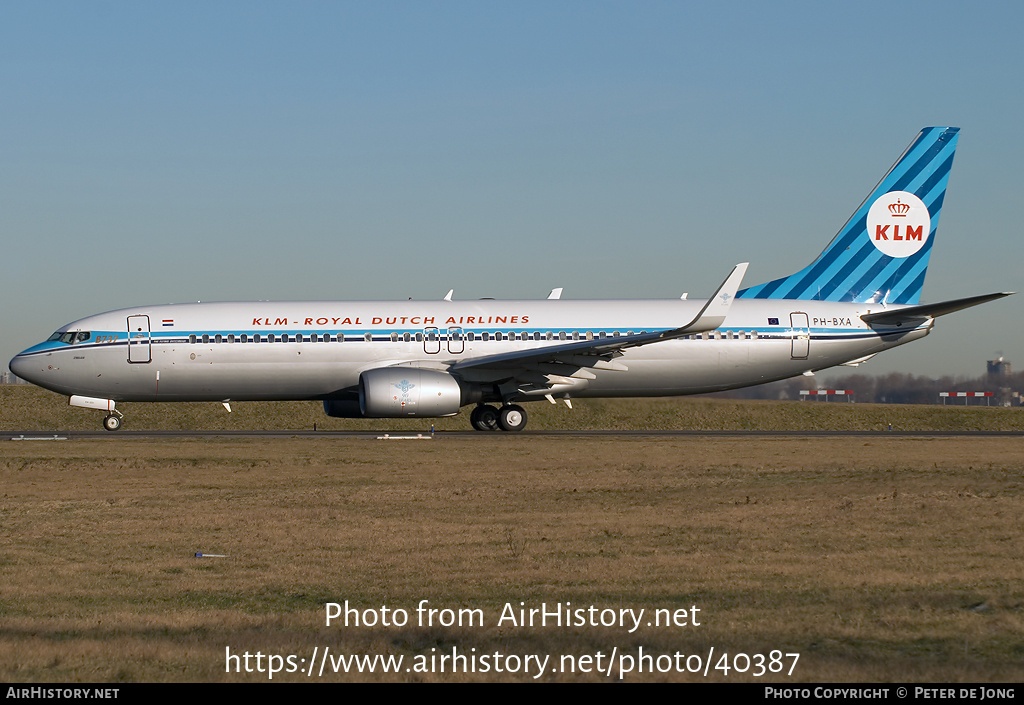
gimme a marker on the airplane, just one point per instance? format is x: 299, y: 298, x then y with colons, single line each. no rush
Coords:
x: 379, y: 359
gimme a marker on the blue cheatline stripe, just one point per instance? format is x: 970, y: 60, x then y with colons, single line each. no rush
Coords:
x: 851, y: 268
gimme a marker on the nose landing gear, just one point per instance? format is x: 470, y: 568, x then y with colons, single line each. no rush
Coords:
x: 112, y: 421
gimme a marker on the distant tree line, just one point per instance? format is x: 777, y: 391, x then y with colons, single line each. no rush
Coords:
x: 892, y: 388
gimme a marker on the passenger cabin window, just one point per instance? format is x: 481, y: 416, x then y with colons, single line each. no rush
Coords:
x: 218, y: 339
x: 192, y: 339
x: 244, y: 338
x: 271, y: 338
x: 368, y: 337
x: 206, y: 338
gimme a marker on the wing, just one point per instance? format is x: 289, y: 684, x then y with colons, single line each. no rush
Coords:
x: 558, y: 368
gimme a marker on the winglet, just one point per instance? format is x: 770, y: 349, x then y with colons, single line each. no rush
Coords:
x: 717, y: 307
x: 711, y: 316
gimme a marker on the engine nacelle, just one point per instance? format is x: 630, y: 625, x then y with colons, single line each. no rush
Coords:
x: 388, y: 392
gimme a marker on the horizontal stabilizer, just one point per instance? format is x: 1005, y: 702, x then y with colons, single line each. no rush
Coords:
x: 915, y: 313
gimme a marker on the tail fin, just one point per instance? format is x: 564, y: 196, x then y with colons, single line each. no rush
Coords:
x: 881, y: 254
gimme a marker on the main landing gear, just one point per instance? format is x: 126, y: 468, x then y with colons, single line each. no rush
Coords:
x: 511, y: 418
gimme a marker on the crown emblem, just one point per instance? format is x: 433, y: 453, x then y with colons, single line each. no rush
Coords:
x: 404, y: 386
x: 899, y: 210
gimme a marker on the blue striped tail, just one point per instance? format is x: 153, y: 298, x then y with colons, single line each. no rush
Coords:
x: 881, y: 254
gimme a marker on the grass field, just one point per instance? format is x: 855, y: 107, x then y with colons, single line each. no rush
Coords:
x: 25, y: 407
x: 873, y: 559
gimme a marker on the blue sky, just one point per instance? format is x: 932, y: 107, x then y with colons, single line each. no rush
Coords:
x: 185, y: 151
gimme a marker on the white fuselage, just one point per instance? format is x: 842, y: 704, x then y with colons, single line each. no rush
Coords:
x: 317, y: 350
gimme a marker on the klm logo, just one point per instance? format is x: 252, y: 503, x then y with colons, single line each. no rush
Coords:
x: 898, y: 224
x: 909, y: 233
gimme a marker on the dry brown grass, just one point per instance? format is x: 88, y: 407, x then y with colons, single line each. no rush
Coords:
x: 876, y: 560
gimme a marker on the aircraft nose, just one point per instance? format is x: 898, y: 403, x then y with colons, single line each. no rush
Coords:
x: 22, y: 367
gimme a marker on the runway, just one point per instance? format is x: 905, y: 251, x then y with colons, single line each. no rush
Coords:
x: 769, y: 531
x: 439, y: 435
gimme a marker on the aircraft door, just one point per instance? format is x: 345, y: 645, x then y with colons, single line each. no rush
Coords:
x: 139, y: 343
x: 431, y: 341
x: 801, y: 329
x: 456, y: 341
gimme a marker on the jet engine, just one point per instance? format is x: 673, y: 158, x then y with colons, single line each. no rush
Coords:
x: 408, y: 391
x: 390, y: 392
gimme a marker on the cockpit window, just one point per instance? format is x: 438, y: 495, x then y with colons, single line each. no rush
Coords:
x: 70, y: 337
